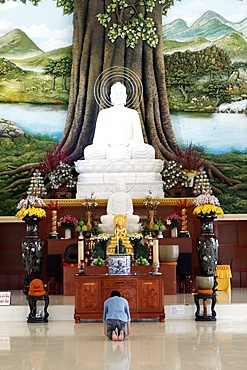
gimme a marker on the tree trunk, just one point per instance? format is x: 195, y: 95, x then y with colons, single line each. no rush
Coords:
x: 92, y: 54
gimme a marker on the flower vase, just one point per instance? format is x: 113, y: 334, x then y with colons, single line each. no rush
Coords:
x: 174, y: 232
x: 191, y: 176
x: 32, y: 248
x: 67, y: 234
x: 207, y: 247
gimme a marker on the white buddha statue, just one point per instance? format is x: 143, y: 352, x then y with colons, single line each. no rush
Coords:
x: 120, y: 202
x: 118, y: 132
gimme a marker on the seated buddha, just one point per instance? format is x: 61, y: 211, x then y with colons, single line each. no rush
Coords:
x: 118, y: 132
x: 120, y: 202
x: 120, y: 240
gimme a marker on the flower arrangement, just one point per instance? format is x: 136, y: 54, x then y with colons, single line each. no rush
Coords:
x: 103, y: 237
x: 207, y: 205
x: 100, y: 246
x: 135, y: 236
x: 140, y: 251
x: 173, y: 220
x: 190, y: 157
x: 173, y: 176
x: 31, y: 207
x: 135, y: 239
x: 67, y: 222
x: 62, y: 177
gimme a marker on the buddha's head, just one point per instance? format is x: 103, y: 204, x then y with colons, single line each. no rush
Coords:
x: 118, y: 94
x: 120, y: 220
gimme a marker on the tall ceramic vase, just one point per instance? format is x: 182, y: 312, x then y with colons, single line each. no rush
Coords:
x: 32, y: 248
x: 207, y: 247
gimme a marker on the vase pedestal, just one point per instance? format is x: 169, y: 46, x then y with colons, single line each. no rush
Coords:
x: 205, y: 296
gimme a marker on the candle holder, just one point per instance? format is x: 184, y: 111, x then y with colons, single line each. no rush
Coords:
x: 184, y: 205
x: 91, y: 246
x: 53, y: 206
x: 90, y: 204
x: 81, y: 268
x: 150, y: 249
x: 151, y: 204
x: 156, y: 266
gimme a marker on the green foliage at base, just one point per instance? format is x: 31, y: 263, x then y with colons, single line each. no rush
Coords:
x: 30, y: 149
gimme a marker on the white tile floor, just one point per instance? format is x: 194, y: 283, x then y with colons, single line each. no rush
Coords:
x: 172, y: 345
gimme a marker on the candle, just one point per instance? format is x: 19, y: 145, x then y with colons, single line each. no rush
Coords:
x: 80, y: 251
x: 155, y: 251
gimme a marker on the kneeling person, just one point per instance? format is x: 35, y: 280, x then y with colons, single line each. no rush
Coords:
x: 116, y: 317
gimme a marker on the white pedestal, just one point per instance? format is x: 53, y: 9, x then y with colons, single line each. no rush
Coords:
x: 100, y: 176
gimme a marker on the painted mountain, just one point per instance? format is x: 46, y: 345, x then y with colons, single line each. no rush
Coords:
x: 210, y: 28
x: 16, y: 42
x: 17, y: 47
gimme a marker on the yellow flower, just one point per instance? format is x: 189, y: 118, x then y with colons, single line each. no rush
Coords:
x: 31, y: 212
x: 208, y: 210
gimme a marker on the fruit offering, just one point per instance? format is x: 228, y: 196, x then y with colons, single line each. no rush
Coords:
x: 141, y: 261
x: 98, y: 262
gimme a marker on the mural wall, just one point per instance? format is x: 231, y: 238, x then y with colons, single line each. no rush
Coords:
x: 205, y: 52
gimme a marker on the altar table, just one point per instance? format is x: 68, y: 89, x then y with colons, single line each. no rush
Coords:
x: 224, y: 274
x: 145, y: 294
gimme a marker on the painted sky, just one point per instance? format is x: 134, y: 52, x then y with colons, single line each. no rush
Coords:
x: 45, y: 24
x: 50, y: 29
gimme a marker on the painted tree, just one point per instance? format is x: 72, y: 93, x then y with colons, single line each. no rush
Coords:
x: 126, y: 34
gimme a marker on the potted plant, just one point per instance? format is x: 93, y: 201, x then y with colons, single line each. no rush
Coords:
x: 174, y: 179
x: 62, y: 180
x: 101, y: 241
x: 68, y: 223
x: 173, y: 220
x: 191, y: 159
x: 140, y: 251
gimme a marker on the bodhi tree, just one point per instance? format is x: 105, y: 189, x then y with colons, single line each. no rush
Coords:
x: 123, y: 33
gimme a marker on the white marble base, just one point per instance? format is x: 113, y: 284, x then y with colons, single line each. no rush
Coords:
x: 100, y: 177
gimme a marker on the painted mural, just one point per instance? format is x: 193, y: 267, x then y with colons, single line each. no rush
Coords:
x: 205, y: 52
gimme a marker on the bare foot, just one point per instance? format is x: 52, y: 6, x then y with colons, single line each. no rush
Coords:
x: 121, y: 335
x: 114, y: 336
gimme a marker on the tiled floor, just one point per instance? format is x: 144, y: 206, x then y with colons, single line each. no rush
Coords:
x: 172, y: 345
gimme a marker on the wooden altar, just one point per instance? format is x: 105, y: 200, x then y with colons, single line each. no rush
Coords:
x: 145, y: 294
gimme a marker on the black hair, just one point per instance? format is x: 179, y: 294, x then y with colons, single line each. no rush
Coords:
x: 115, y: 293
